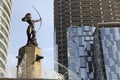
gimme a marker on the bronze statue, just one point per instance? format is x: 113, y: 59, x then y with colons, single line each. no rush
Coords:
x: 31, y: 32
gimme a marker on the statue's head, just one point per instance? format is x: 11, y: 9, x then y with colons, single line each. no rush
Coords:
x: 27, y: 17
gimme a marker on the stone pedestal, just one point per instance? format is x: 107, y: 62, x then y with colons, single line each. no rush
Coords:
x: 29, y: 63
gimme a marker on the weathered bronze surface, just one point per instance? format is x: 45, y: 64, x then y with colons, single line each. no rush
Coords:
x: 31, y: 32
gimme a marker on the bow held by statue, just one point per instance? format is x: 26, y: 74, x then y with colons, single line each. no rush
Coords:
x: 39, y: 17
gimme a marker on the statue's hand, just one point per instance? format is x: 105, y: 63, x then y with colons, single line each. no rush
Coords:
x: 40, y: 19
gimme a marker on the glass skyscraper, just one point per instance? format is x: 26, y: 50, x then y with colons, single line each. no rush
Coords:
x: 79, y: 13
x: 5, y: 18
x: 106, y: 51
x: 80, y: 62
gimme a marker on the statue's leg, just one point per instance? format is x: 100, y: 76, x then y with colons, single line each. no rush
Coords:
x: 28, y: 40
x: 33, y: 34
x: 34, y: 40
x: 28, y: 35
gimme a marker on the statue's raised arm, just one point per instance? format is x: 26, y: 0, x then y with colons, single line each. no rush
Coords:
x: 31, y: 32
x: 38, y: 20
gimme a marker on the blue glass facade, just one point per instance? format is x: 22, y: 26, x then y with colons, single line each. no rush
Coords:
x: 106, y: 53
x: 80, y: 64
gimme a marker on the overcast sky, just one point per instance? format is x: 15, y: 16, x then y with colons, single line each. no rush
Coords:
x: 18, y: 35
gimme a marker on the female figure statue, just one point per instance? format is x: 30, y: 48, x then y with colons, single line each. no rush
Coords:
x: 31, y: 32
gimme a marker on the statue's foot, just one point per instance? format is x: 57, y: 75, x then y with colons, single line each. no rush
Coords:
x: 34, y: 41
x: 27, y: 44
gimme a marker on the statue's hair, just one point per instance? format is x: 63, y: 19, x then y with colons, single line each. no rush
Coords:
x: 28, y: 15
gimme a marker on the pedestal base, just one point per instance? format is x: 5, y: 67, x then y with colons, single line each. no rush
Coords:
x: 29, y: 64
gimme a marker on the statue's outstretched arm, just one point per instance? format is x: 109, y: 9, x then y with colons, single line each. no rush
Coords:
x: 38, y: 20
